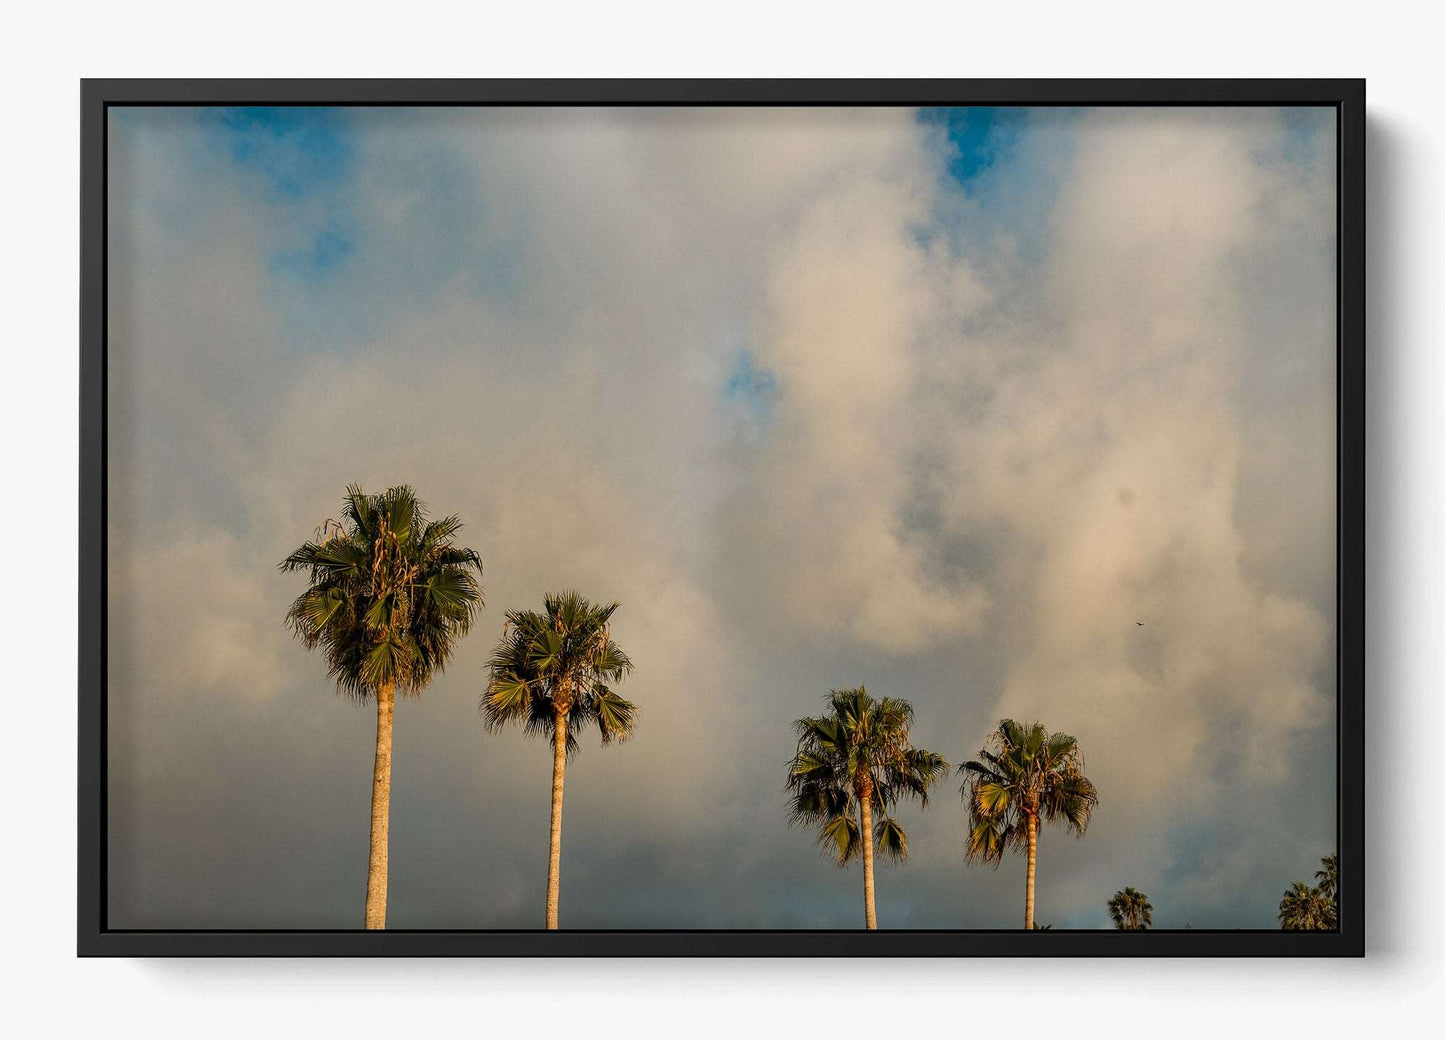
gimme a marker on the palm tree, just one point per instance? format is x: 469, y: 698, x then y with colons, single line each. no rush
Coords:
x: 1304, y: 909
x: 390, y: 595
x: 552, y: 672
x: 1328, y: 877
x: 1025, y: 776
x: 1130, y: 910
x: 853, y: 761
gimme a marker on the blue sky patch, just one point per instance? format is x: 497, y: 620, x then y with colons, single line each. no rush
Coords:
x: 1304, y: 129
x: 327, y: 250
x: 298, y: 150
x: 750, y: 389
x: 300, y: 160
x: 978, y: 136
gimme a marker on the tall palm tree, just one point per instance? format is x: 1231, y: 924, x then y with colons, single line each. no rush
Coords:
x: 389, y: 597
x: 553, y: 672
x: 1025, y: 776
x: 1304, y: 909
x: 1130, y: 910
x: 852, y: 762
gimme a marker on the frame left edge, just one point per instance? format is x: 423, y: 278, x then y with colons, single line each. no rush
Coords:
x: 90, y: 671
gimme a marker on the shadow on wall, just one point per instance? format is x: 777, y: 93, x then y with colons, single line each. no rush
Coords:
x: 1386, y: 542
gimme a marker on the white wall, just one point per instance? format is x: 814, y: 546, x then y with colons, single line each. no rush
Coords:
x: 48, y: 49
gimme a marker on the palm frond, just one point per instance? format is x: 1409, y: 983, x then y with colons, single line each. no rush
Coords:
x: 615, y: 716
x: 891, y: 839
x: 988, y: 837
x: 839, y: 836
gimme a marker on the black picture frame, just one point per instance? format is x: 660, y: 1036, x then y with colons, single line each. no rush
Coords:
x: 1346, y: 96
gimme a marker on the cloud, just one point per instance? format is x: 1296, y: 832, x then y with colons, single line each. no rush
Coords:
x: 1117, y: 455
x: 814, y: 411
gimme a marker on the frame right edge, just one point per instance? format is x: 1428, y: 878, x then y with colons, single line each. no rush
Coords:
x: 1350, y: 515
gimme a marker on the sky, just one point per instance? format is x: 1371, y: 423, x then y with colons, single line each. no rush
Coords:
x: 940, y: 402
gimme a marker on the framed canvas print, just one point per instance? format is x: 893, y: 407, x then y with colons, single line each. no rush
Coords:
x: 722, y: 518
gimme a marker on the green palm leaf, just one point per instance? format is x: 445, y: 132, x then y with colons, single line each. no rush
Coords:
x: 891, y: 839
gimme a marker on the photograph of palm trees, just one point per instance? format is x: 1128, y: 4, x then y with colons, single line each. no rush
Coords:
x: 838, y: 518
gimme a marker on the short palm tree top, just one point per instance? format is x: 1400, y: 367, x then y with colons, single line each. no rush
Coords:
x: 1023, y: 772
x: 560, y: 660
x: 1130, y: 910
x: 390, y: 593
x: 859, y: 748
x: 1306, y: 909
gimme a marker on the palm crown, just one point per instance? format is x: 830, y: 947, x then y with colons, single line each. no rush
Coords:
x: 1024, y: 772
x: 390, y: 593
x: 1317, y: 909
x: 858, y: 753
x: 1304, y: 909
x: 562, y: 660
x: 1130, y: 910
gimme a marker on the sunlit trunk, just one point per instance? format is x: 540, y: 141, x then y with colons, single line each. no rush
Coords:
x: 380, y: 810
x: 1033, y: 824
x: 554, y: 856
x: 870, y: 914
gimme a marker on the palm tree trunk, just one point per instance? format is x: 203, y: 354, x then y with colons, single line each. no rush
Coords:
x: 1033, y: 858
x: 380, y: 810
x: 554, y: 856
x: 870, y: 914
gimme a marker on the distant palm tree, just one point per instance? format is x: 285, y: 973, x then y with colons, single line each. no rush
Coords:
x: 1303, y: 909
x: 1130, y: 910
x: 552, y: 672
x: 1328, y: 877
x: 390, y: 596
x: 851, y: 762
x: 1306, y: 909
x: 1025, y: 775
